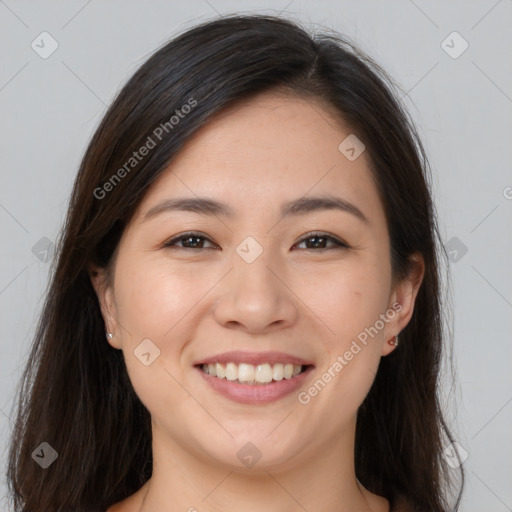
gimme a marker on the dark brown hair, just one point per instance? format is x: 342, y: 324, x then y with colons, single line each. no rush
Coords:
x: 75, y: 393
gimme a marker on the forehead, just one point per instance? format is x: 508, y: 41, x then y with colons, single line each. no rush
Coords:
x: 267, y: 150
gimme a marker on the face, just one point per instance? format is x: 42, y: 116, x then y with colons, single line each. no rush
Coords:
x: 273, y: 276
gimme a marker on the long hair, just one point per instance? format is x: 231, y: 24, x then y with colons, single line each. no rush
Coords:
x: 75, y: 393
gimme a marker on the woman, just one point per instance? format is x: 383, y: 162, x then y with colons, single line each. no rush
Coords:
x: 245, y: 313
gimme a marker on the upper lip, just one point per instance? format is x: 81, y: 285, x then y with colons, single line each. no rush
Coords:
x: 254, y: 358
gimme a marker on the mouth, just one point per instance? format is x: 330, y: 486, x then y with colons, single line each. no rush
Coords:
x: 254, y: 378
x: 245, y: 373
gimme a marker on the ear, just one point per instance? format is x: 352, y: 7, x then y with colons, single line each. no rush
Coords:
x: 105, y: 293
x: 402, y: 300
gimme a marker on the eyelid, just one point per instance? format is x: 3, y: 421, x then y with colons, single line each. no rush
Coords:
x: 338, y: 243
x: 177, y: 238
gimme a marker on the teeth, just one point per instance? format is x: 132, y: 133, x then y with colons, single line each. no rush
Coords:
x: 219, y: 371
x: 231, y: 371
x: 264, y: 373
x: 250, y: 374
x: 278, y: 372
x: 245, y: 372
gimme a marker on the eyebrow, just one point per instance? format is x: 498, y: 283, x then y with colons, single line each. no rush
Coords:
x: 300, y: 206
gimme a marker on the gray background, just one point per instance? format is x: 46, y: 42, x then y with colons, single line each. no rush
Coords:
x: 462, y: 106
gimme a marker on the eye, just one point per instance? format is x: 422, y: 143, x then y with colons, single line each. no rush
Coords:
x: 191, y: 240
x: 318, y: 241
x: 314, y: 240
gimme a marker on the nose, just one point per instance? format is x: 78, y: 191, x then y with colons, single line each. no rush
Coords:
x: 255, y: 298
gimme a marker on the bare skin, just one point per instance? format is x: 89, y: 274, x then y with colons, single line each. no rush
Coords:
x: 135, y: 502
x: 306, y: 299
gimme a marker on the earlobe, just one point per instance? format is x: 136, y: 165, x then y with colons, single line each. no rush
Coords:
x: 407, y: 290
x: 404, y: 295
x: 393, y: 341
x: 105, y: 299
x: 390, y: 345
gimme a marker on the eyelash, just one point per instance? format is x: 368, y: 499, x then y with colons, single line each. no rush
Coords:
x: 338, y: 244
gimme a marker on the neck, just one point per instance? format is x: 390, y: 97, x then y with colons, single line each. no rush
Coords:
x: 320, y: 477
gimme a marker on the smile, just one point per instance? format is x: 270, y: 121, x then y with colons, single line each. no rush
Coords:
x: 261, y: 374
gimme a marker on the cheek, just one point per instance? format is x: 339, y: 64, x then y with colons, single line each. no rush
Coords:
x: 348, y: 298
x: 153, y: 298
x: 349, y: 301
x: 156, y: 302
x: 164, y: 303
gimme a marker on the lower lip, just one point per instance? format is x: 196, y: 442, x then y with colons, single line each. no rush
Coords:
x: 255, y: 393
